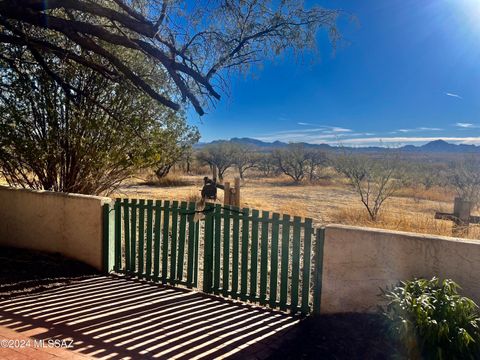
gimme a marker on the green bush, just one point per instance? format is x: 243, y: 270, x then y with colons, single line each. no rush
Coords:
x: 430, y: 320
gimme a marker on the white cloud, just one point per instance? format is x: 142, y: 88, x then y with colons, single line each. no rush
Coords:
x: 465, y: 125
x: 321, y: 130
x: 299, y: 131
x: 339, y: 129
x: 453, y: 95
x: 423, y: 128
x: 429, y: 129
x: 298, y: 137
x: 303, y: 123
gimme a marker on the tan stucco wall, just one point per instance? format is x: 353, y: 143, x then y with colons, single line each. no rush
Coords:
x: 358, y: 261
x: 70, y: 224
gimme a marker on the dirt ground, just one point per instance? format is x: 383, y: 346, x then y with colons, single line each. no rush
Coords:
x: 328, y: 202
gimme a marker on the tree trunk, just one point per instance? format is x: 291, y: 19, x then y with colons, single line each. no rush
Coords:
x: 163, y: 171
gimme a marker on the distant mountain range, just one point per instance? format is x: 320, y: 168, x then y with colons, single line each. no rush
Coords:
x: 437, y: 146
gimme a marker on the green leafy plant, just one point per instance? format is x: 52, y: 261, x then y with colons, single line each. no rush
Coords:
x: 430, y: 320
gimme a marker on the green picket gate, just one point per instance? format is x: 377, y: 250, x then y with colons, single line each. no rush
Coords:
x: 257, y: 256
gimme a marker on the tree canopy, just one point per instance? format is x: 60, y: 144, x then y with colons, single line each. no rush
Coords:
x: 191, y: 45
x: 49, y: 142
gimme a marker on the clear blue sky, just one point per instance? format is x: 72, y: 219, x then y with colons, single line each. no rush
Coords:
x: 408, y: 72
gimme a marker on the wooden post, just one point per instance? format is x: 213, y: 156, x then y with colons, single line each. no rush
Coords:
x: 461, y: 217
x: 461, y: 213
x: 237, y: 192
x: 226, y: 192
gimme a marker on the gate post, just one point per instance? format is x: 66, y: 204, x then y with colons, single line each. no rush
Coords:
x: 208, y: 252
x: 318, y: 270
x: 107, y: 248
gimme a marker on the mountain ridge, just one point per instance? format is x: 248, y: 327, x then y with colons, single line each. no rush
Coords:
x: 432, y: 146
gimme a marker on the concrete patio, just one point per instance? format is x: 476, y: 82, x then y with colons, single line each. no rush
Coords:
x: 117, y: 318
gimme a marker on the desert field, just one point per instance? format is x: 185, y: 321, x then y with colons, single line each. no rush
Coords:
x: 330, y: 201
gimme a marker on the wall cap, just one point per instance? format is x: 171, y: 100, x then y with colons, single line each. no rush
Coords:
x: 102, y: 199
x: 401, y: 233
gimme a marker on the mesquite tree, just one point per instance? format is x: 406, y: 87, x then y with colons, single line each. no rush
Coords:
x: 245, y: 157
x: 220, y: 155
x: 192, y: 44
x: 267, y: 164
x: 297, y: 161
x: 49, y: 142
x: 175, y: 144
x: 374, y: 178
x: 464, y: 177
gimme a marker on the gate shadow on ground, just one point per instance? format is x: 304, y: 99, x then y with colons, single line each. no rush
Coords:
x: 114, y: 318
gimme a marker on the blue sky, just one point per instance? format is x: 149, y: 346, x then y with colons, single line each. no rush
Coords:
x: 408, y: 72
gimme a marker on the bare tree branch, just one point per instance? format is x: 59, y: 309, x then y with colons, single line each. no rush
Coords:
x: 190, y: 48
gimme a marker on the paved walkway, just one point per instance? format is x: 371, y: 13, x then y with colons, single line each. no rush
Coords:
x: 116, y: 318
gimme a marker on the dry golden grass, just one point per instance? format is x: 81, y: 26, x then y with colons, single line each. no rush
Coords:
x: 401, y: 221
x: 171, y: 180
x: 435, y: 193
x: 328, y: 202
x: 418, y: 223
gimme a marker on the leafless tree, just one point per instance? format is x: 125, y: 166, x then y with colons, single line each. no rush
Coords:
x: 188, y: 44
x: 292, y: 161
x: 267, y: 164
x: 218, y: 154
x: 244, y: 158
x: 374, y: 177
x: 315, y: 160
x: 464, y: 176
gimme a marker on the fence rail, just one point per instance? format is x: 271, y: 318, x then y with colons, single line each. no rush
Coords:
x: 244, y: 254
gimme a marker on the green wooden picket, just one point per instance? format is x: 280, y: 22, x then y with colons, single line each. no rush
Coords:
x: 245, y: 252
x: 173, y: 256
x: 284, y: 269
x: 133, y: 236
x: 141, y: 237
x: 264, y: 258
x: 195, y: 254
x: 126, y: 232
x: 307, y: 238
x: 254, y: 258
x: 295, y: 263
x: 156, y: 237
x: 274, y: 259
x: 235, y: 252
x: 191, y: 246
x: 226, y: 251
x: 165, y: 239
x: 148, y: 264
x: 118, y: 235
x: 181, y: 240
x: 217, y: 248
x: 258, y: 257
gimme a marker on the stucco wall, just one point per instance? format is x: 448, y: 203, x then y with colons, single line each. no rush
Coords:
x: 70, y: 224
x: 358, y: 261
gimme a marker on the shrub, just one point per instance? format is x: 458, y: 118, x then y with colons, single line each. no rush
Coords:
x: 430, y: 320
